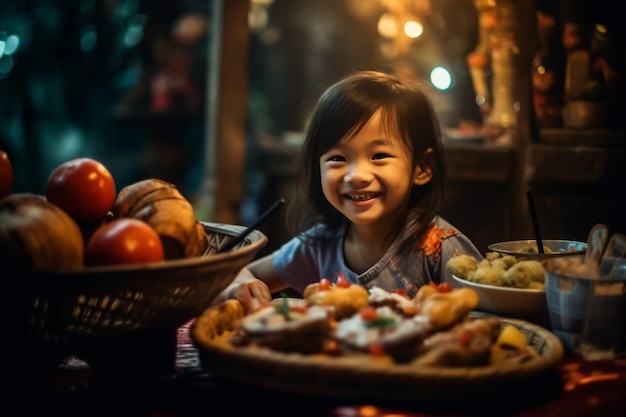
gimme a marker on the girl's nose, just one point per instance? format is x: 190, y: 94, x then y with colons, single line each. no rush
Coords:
x: 358, y: 173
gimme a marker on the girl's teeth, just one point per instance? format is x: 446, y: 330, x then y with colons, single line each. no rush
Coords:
x: 361, y: 197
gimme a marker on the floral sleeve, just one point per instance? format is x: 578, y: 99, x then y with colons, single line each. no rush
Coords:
x: 432, y: 240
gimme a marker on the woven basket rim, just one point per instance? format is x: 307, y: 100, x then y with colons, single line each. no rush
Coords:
x: 252, y: 243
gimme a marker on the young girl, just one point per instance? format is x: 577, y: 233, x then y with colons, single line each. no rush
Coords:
x: 370, y: 185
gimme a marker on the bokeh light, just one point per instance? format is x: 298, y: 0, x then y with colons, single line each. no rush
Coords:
x: 441, y: 78
x: 413, y: 29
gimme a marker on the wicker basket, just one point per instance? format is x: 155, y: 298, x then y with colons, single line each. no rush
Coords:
x: 121, y: 314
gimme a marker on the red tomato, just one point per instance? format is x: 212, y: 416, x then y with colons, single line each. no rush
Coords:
x: 402, y: 292
x: 6, y: 175
x: 298, y: 309
x: 331, y: 347
x: 84, y: 188
x: 342, y: 281
x: 465, y: 338
x: 324, y: 284
x: 124, y: 241
x: 441, y: 287
x: 368, y: 313
x: 445, y: 287
x: 376, y: 349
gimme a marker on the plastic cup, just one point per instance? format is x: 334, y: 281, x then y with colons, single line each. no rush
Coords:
x: 587, y: 313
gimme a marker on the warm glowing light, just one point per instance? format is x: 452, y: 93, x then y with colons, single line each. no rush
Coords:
x: 258, y: 18
x: 541, y: 69
x: 368, y: 411
x: 413, y: 29
x: 388, y: 26
x: 441, y: 78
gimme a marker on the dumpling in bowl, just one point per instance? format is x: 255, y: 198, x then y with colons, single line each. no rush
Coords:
x: 523, y: 274
x: 462, y: 265
x: 503, y: 262
x: 486, y: 274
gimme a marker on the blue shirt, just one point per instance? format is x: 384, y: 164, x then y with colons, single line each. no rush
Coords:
x: 300, y: 263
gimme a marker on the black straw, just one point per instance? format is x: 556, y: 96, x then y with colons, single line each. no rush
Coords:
x: 241, y: 236
x: 533, y: 215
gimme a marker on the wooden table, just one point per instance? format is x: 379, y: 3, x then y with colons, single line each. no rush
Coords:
x: 576, y: 388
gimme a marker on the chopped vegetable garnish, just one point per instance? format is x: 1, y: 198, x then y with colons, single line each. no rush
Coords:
x: 401, y: 291
x: 376, y: 349
x: 368, y: 313
x: 382, y: 322
x: 283, y: 308
x: 442, y: 287
x: 465, y: 338
x: 342, y: 281
x: 511, y: 336
x: 324, y: 284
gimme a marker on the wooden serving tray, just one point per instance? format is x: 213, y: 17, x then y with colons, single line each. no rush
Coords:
x: 363, y: 376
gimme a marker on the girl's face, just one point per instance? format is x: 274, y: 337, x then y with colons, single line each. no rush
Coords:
x: 368, y: 177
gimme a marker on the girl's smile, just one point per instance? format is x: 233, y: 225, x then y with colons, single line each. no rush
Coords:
x: 361, y: 197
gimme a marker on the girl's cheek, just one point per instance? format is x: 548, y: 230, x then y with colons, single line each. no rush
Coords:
x: 330, y: 174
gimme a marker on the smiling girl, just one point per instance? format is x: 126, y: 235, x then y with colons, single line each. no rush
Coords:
x: 370, y: 185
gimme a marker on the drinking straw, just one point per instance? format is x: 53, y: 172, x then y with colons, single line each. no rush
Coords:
x: 241, y: 236
x: 533, y: 216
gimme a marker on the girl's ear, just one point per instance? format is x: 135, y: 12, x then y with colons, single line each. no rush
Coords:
x: 421, y: 176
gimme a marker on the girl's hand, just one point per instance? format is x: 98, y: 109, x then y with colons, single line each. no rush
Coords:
x: 252, y: 294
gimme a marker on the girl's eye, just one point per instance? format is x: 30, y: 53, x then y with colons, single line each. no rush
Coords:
x: 335, y: 158
x: 380, y: 156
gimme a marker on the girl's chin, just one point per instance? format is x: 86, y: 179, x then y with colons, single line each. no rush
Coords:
x: 361, y: 218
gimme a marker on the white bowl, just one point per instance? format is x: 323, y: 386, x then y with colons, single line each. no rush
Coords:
x: 553, y: 248
x: 525, y: 304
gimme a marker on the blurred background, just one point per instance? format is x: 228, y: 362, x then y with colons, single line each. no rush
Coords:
x: 120, y: 81
x: 214, y: 95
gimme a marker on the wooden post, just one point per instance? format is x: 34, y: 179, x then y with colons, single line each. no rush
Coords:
x: 227, y: 125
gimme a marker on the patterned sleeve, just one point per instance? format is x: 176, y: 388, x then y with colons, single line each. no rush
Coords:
x: 443, y: 241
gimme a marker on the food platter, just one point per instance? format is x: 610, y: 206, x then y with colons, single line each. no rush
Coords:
x: 361, y: 376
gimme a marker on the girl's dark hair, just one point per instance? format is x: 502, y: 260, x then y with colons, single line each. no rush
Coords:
x: 344, y: 109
